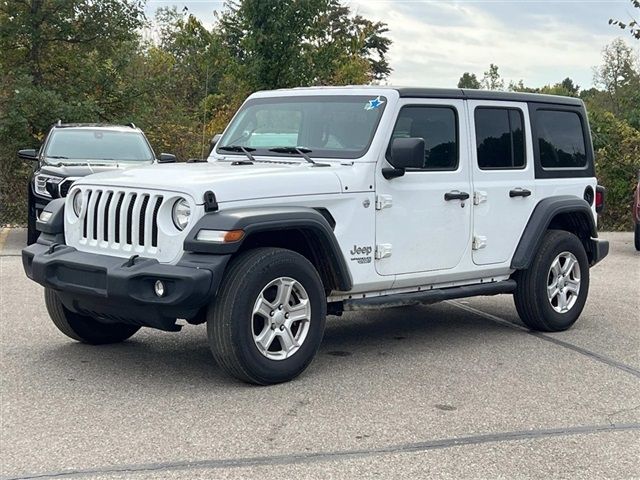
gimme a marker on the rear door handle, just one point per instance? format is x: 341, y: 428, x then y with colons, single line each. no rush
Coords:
x: 519, y: 192
x: 456, y: 195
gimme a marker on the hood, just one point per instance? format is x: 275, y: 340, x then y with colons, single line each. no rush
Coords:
x: 228, y: 182
x: 81, y: 170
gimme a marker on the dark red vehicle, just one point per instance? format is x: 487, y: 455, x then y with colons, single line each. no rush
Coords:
x: 636, y: 213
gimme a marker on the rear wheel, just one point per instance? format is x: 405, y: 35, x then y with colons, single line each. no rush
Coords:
x: 267, y: 322
x: 552, y: 292
x: 82, y: 327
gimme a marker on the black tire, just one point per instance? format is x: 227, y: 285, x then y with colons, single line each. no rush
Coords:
x: 531, y: 299
x: 230, y: 319
x: 636, y: 237
x: 32, y: 233
x: 83, y: 328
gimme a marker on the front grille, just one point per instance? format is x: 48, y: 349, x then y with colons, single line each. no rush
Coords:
x: 121, y: 218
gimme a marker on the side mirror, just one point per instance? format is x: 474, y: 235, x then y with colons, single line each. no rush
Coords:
x: 28, y: 154
x: 214, y: 141
x: 405, y: 153
x: 167, y: 158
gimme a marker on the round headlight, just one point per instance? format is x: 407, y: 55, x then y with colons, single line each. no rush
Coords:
x: 77, y: 203
x: 181, y: 213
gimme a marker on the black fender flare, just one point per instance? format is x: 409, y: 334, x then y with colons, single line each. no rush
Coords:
x: 543, y: 214
x: 55, y: 224
x: 269, y: 219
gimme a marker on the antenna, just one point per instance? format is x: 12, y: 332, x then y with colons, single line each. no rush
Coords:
x: 59, y: 123
x: 131, y: 124
x: 204, y: 111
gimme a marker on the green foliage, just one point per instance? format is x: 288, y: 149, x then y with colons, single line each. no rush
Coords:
x: 85, y: 61
x: 566, y: 88
x: 491, y: 79
x: 617, y: 150
x: 632, y: 25
x: 302, y: 42
x: 59, y: 59
x: 469, y: 80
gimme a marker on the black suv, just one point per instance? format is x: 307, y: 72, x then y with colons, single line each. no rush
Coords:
x: 74, y: 150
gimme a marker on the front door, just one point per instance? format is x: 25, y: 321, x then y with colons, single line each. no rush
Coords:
x: 423, y: 219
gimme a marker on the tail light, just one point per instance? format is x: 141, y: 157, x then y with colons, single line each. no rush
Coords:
x: 600, y: 198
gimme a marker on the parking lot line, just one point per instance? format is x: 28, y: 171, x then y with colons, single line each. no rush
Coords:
x: 548, y: 338
x: 313, y: 457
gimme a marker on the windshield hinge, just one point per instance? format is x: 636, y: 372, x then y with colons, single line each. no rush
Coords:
x: 383, y: 201
x: 210, y: 202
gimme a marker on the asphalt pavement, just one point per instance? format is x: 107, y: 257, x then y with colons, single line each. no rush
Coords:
x: 455, y: 390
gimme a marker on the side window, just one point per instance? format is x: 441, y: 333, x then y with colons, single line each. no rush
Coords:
x: 560, y: 139
x: 438, y: 126
x: 499, y: 138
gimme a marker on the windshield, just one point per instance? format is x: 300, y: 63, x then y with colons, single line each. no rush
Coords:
x: 325, y: 126
x: 81, y: 145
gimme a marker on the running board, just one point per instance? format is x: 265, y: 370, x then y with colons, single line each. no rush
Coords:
x: 428, y: 297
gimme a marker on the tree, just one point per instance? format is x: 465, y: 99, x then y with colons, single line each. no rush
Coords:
x: 632, y: 24
x: 571, y: 88
x: 469, y: 80
x: 491, y: 79
x: 60, y: 59
x: 302, y: 42
x: 617, y: 150
x: 619, y: 78
x: 566, y: 88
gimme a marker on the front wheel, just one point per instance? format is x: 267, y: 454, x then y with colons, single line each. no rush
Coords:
x: 636, y: 237
x: 267, y: 322
x: 84, y: 328
x: 552, y: 292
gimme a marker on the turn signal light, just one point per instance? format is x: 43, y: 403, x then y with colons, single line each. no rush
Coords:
x: 220, y: 236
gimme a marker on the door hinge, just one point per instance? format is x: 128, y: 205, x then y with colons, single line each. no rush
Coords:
x: 383, y: 250
x: 479, y: 242
x: 383, y: 201
x: 479, y: 197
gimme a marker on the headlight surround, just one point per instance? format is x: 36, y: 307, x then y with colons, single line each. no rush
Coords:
x: 40, y: 184
x: 180, y: 213
x: 77, y: 203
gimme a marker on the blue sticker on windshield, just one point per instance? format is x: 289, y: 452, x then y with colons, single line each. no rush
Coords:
x: 373, y: 104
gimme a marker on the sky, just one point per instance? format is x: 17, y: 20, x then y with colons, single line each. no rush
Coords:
x: 540, y: 42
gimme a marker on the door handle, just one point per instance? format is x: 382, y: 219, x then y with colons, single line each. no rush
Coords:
x: 456, y: 195
x: 519, y: 192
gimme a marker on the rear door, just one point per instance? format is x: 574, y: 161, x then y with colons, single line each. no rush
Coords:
x: 503, y: 178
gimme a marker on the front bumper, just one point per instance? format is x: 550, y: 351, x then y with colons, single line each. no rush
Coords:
x: 113, y: 289
x: 599, y: 250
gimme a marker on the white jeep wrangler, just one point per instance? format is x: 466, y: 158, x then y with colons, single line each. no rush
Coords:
x: 317, y: 201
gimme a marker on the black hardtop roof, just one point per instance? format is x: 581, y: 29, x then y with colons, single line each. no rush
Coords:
x: 470, y: 94
x: 460, y: 93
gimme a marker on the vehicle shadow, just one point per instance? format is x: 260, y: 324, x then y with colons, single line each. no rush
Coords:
x: 151, y: 358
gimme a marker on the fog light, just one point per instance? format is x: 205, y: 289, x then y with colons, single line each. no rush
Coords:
x: 159, y: 288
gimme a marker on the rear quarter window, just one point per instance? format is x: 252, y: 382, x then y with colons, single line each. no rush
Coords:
x: 561, y: 141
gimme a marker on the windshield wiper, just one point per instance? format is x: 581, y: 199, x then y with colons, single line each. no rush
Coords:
x: 58, y: 156
x: 239, y: 148
x: 302, y: 151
